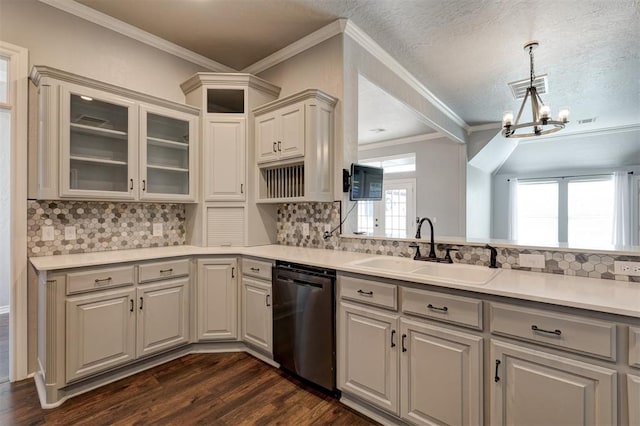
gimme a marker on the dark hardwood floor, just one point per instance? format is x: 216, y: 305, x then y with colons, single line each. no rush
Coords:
x: 4, y: 347
x: 205, y: 389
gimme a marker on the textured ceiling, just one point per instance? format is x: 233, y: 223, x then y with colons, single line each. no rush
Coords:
x: 464, y: 51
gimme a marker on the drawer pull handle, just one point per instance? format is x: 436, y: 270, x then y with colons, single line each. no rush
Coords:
x: 141, y: 302
x: 541, y: 330
x: 267, y: 299
x: 102, y: 280
x: 130, y: 184
x: 131, y: 308
x: 144, y: 185
x: 170, y: 270
x: 365, y: 293
x: 279, y: 142
x: 393, y: 335
x: 497, y: 378
x: 435, y: 308
x: 274, y: 147
x: 404, y: 347
x: 255, y: 269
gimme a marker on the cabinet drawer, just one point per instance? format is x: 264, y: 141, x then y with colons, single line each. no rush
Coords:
x: 444, y: 307
x: 634, y: 346
x: 256, y: 268
x: 569, y: 332
x: 161, y: 270
x: 98, y: 279
x: 369, y: 292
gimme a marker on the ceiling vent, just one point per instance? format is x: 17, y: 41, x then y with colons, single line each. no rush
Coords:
x: 519, y: 88
x: 587, y: 120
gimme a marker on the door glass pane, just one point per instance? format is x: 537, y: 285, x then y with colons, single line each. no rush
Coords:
x: 4, y: 80
x: 99, y: 145
x: 167, y: 155
x: 395, y: 216
x: 590, y: 208
x: 366, y: 217
x: 538, y: 212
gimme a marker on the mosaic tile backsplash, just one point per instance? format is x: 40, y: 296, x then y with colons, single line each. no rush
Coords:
x: 291, y: 218
x: 102, y: 226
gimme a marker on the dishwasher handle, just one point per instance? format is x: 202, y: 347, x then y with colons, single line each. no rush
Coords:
x: 295, y: 277
x: 300, y: 282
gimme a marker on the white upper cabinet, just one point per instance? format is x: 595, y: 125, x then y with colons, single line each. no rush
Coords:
x: 224, y: 149
x: 280, y: 134
x: 97, y: 141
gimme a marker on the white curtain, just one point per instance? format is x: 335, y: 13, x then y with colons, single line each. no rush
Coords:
x: 621, y: 209
x: 513, y: 209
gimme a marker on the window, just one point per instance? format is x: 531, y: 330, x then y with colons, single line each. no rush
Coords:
x: 394, y: 215
x: 577, y: 210
x: 393, y: 163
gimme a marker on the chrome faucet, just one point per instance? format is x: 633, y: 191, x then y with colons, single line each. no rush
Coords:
x: 432, y: 249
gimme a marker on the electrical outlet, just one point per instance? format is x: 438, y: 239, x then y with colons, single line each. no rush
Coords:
x: 631, y: 269
x: 305, y: 230
x: 70, y: 233
x: 157, y: 230
x: 47, y: 233
x: 532, y: 261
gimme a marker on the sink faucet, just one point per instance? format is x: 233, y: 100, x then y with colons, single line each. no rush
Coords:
x: 494, y: 254
x: 432, y: 249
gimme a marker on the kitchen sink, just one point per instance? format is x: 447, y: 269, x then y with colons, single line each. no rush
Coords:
x: 455, y: 273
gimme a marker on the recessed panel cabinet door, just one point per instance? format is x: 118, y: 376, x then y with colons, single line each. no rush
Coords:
x: 266, y: 138
x: 441, y: 375
x: 224, y: 160
x: 530, y: 387
x: 163, y: 315
x: 291, y: 141
x: 369, y: 344
x: 100, y: 332
x: 217, y: 299
x: 257, y: 320
x: 633, y: 392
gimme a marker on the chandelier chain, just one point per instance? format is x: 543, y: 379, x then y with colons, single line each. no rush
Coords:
x: 532, y: 75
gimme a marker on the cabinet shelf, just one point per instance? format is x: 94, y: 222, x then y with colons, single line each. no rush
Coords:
x: 167, y: 143
x: 114, y: 134
x: 170, y: 169
x: 97, y: 160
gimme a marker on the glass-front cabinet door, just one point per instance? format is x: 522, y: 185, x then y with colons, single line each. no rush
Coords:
x: 98, y: 149
x: 167, y: 140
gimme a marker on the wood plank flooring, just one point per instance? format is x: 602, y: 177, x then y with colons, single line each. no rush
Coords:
x: 4, y: 347
x: 203, y: 389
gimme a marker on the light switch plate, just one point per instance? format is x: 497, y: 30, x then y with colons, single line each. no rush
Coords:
x: 305, y: 230
x: 157, y: 230
x: 47, y: 233
x: 70, y: 233
x: 532, y: 261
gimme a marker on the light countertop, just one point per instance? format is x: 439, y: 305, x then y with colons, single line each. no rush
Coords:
x: 610, y: 296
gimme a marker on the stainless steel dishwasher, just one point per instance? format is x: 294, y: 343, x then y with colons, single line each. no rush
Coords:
x: 304, y: 322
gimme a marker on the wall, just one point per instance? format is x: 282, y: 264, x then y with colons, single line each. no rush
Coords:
x: 440, y: 181
x: 60, y: 40
x: 5, y: 213
x: 479, y: 196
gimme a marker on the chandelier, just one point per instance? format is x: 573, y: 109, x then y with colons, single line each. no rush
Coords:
x: 542, y: 124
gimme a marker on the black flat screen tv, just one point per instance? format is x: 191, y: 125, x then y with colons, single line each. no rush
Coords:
x: 366, y: 183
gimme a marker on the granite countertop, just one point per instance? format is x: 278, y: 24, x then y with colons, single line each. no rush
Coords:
x: 610, y: 296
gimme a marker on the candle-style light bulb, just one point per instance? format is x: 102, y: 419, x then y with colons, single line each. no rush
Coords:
x: 563, y: 115
x: 545, y: 112
x: 507, y: 118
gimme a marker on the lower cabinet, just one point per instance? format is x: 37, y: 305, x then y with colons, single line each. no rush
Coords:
x: 217, y: 299
x: 106, y: 329
x: 257, y: 323
x: 537, y: 388
x: 633, y: 390
x: 423, y: 373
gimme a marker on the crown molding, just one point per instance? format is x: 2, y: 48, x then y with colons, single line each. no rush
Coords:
x: 299, y: 46
x: 399, y: 141
x: 363, y: 39
x: 481, y: 127
x: 135, y: 33
x: 592, y: 132
x: 226, y: 79
x: 295, y: 98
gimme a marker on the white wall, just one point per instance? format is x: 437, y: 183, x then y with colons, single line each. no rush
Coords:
x: 5, y: 201
x: 478, y: 203
x: 60, y: 40
x: 440, y: 181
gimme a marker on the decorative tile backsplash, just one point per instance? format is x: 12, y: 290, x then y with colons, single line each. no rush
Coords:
x: 102, y: 226
x: 291, y: 218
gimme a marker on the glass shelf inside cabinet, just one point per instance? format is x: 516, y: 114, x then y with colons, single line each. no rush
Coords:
x: 99, y: 144
x: 167, y: 155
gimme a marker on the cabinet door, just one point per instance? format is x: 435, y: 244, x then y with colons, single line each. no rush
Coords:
x: 167, y: 154
x: 291, y: 138
x: 368, y: 355
x: 217, y: 299
x: 441, y: 375
x: 224, y: 159
x: 163, y: 316
x: 257, y: 321
x: 530, y: 387
x: 633, y: 392
x: 266, y: 138
x: 100, y: 332
x: 98, y: 149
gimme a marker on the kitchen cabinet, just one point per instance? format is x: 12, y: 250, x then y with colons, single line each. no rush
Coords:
x: 280, y: 134
x: 368, y: 355
x: 634, y: 346
x: 98, y: 141
x: 217, y: 299
x: 535, y: 387
x: 633, y: 391
x: 257, y: 310
x: 224, y: 147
